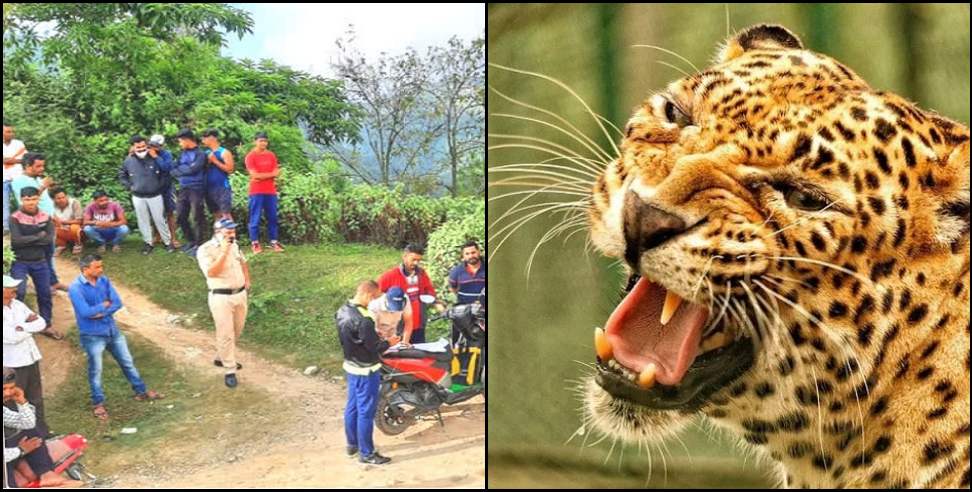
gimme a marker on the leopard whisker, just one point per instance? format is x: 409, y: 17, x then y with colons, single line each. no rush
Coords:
x: 545, y: 168
x: 519, y: 222
x: 571, y: 92
x: 559, y: 118
x: 596, y: 151
x: 670, y: 52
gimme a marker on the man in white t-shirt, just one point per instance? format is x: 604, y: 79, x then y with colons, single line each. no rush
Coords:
x: 13, y: 155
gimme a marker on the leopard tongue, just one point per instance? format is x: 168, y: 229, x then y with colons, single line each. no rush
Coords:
x: 639, y: 338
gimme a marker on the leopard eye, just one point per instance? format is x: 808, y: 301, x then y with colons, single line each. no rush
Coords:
x: 803, y: 200
x: 675, y: 115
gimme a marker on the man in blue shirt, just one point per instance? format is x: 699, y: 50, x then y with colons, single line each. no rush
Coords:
x: 467, y: 280
x: 219, y: 165
x: 95, y: 303
x: 191, y: 171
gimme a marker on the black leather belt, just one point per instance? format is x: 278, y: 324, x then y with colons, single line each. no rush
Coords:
x: 227, y: 292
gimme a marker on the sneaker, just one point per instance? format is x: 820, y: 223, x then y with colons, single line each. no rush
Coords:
x: 375, y: 459
x: 192, y: 251
x: 219, y: 363
x: 277, y: 248
x: 147, y: 249
x: 257, y: 249
x: 231, y: 381
x: 116, y: 249
x: 101, y: 249
x: 352, y: 450
x: 170, y: 248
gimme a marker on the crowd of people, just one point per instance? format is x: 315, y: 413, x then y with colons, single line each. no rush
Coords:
x: 47, y: 220
x: 390, y: 312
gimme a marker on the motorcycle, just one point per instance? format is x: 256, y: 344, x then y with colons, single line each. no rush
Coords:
x: 417, y: 383
x: 66, y: 452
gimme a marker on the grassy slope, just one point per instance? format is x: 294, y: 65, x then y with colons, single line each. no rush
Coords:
x: 198, y: 405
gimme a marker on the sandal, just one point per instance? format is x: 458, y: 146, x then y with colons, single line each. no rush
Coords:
x: 101, y: 413
x: 149, y: 395
x: 50, y: 332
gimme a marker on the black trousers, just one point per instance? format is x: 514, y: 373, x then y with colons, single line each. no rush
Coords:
x: 39, y: 461
x: 194, y: 201
x: 29, y: 380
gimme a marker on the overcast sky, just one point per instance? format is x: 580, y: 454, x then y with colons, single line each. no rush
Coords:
x: 302, y: 35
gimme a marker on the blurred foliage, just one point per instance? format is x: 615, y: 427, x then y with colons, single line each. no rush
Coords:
x: 444, y: 249
x: 542, y: 324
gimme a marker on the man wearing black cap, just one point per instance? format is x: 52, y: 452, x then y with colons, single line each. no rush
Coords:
x: 191, y: 171
x: 228, y: 279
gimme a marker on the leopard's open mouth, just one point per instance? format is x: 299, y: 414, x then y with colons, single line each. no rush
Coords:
x: 663, y: 353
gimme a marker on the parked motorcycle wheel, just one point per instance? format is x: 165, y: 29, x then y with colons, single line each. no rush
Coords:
x: 390, y: 419
x: 74, y: 471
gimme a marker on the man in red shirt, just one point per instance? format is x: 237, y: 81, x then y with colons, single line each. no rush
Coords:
x: 415, y: 282
x: 263, y: 168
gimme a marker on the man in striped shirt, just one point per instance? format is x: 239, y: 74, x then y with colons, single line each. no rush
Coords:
x: 22, y: 441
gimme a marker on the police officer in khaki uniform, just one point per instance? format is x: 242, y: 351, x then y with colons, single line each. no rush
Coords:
x: 228, y: 279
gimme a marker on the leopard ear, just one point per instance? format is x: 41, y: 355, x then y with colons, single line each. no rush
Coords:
x: 760, y: 37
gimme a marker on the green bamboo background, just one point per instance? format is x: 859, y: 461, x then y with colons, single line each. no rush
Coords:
x: 542, y: 324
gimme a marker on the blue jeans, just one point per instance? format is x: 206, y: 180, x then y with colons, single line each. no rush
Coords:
x: 50, y: 264
x: 265, y: 205
x: 40, y: 273
x: 7, y: 191
x: 94, y: 346
x: 114, y: 235
x: 359, y: 414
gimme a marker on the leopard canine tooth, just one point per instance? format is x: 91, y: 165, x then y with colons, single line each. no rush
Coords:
x: 602, y: 345
x: 672, y: 302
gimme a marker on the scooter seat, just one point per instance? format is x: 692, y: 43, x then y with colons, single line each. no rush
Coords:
x: 419, y: 354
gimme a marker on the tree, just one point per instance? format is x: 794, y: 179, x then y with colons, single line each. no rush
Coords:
x: 398, y: 124
x: 99, y: 73
x: 458, y: 90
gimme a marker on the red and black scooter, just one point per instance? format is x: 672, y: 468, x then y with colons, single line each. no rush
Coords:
x: 416, y: 383
x: 66, y: 452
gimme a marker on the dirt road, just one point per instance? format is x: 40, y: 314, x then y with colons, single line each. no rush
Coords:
x: 304, y: 450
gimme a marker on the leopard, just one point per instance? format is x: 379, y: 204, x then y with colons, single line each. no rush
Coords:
x: 797, y: 250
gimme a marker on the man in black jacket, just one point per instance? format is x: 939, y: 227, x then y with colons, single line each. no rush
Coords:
x: 145, y: 175
x: 362, y: 361
x: 31, y: 231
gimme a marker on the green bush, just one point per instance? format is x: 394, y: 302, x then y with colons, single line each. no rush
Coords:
x: 444, y: 244
x: 324, y: 207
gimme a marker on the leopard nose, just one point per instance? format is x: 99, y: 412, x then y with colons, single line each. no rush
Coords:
x: 645, y: 227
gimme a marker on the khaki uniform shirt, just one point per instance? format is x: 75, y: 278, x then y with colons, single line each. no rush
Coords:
x: 232, y: 275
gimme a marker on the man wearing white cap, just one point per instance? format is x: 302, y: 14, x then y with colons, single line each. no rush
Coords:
x: 157, y: 142
x: 142, y: 175
x: 20, y: 352
x: 228, y: 279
